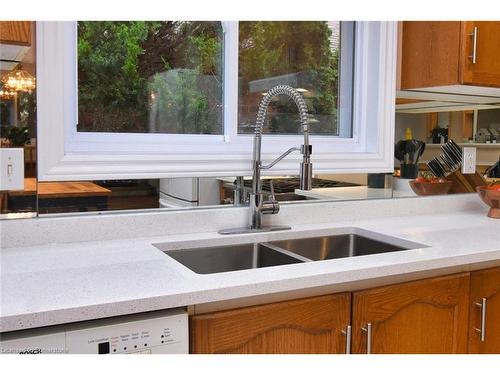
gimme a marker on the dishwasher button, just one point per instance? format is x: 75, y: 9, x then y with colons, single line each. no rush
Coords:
x: 103, y: 348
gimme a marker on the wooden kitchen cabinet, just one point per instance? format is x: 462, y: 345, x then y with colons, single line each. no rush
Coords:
x: 310, y: 325
x: 440, y: 53
x: 15, y: 32
x: 485, y: 284
x: 424, y: 316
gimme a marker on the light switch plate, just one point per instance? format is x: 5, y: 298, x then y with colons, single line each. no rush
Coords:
x: 11, y: 168
x: 469, y: 160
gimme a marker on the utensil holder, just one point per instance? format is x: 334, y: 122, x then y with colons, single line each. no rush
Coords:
x: 409, y: 171
x: 465, y: 183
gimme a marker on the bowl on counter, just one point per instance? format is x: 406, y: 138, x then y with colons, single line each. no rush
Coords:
x: 492, y: 198
x: 430, y: 188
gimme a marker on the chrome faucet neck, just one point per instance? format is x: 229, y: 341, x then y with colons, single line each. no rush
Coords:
x: 258, y: 206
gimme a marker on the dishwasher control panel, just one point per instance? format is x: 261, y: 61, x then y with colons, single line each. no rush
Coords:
x: 155, y: 332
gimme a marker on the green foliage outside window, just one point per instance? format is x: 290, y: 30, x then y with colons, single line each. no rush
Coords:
x: 120, y: 65
x: 271, y: 49
x: 167, y: 76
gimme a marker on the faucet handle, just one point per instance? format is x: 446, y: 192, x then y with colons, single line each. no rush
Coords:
x: 271, y: 186
x: 270, y: 207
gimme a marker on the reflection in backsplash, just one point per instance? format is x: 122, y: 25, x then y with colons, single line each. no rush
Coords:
x: 283, y: 188
x: 478, y: 129
x: 59, y: 197
x: 464, y: 127
x: 18, y: 117
x: 81, y: 196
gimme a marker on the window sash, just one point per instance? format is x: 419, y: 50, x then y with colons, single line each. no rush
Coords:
x: 68, y: 154
x: 110, y: 142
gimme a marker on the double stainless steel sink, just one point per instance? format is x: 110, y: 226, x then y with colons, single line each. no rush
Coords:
x: 350, y: 242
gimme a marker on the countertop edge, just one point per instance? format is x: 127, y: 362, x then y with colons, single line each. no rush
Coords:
x: 415, y: 270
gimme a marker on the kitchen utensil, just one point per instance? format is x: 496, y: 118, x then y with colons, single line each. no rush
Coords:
x: 430, y: 188
x: 436, y: 168
x: 453, y: 153
x: 408, y: 151
x: 398, y: 152
x: 491, y: 198
x: 418, y: 153
x: 448, y: 164
x: 494, y: 170
x: 409, y: 146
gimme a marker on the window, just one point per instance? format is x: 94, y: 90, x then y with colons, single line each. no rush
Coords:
x: 305, y: 55
x: 150, y: 77
x: 188, y: 110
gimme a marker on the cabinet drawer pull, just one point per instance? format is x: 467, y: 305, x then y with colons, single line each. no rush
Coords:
x: 473, y: 57
x: 482, y: 330
x: 347, y: 332
x: 368, y: 331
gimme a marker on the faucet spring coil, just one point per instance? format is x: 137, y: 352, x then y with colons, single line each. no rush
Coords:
x: 281, y: 90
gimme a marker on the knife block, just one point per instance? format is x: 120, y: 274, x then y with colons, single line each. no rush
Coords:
x: 465, y: 183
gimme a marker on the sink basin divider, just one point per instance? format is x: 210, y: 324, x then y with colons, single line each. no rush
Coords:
x: 286, y: 252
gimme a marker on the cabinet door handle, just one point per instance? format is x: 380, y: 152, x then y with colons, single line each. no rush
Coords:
x: 368, y: 331
x: 473, y: 35
x: 347, y: 332
x: 482, y: 330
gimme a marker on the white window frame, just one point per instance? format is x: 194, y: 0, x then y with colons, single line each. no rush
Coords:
x: 65, y: 154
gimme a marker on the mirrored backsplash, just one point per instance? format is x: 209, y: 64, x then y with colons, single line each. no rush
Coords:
x: 59, y: 197
x: 23, y: 195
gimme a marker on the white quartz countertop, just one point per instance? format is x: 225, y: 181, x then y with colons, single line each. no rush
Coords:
x: 68, y: 282
x: 352, y: 192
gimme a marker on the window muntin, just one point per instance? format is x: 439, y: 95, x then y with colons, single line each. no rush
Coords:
x: 305, y: 55
x: 150, y: 77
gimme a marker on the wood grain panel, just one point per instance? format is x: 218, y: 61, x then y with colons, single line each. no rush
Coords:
x: 430, y: 53
x: 425, y: 316
x: 485, y: 284
x: 61, y: 189
x: 311, y: 325
x: 486, y: 70
x: 15, y: 32
x: 467, y: 124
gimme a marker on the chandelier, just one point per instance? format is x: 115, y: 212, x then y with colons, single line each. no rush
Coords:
x: 6, y: 93
x: 18, y: 79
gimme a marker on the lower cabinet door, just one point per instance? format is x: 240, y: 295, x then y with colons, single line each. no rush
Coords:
x: 424, y: 316
x: 310, y: 325
x: 484, y: 326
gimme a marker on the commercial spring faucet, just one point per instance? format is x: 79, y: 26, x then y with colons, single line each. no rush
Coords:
x: 258, y: 206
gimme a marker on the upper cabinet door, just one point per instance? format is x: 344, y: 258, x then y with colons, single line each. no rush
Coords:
x: 425, y: 316
x: 484, y: 326
x: 305, y: 326
x: 481, y: 53
x: 450, y: 56
x: 15, y: 32
x: 430, y: 54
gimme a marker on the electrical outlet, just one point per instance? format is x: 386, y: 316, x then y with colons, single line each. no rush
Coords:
x: 469, y: 160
